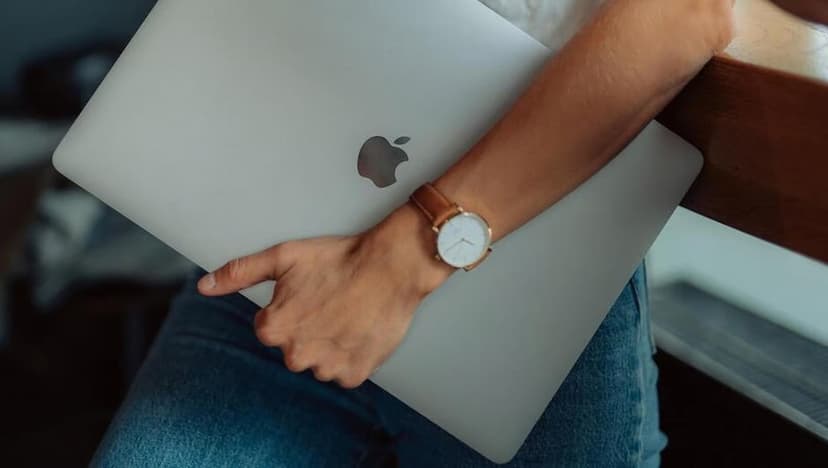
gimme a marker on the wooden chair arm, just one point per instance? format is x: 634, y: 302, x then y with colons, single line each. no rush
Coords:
x: 760, y: 116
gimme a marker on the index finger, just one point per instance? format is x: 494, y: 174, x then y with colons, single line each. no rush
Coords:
x: 244, y: 272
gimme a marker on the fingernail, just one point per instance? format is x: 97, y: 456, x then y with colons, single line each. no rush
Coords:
x: 208, y: 282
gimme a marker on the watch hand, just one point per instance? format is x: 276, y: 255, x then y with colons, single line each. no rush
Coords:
x: 468, y: 241
x: 454, y: 245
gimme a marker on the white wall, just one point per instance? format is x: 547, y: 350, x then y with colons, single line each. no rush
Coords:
x: 784, y: 287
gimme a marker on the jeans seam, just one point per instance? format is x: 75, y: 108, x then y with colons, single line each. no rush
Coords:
x: 641, y: 301
x: 638, y: 454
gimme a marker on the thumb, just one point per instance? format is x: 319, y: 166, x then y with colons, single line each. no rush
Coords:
x: 245, y: 272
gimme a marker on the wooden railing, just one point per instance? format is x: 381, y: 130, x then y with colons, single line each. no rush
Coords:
x: 760, y: 116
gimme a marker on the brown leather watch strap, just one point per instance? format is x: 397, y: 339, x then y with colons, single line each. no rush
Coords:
x: 434, y: 204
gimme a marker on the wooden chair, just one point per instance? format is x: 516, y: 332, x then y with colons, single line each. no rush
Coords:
x: 760, y: 116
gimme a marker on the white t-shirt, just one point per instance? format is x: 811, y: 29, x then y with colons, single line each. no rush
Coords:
x: 552, y: 22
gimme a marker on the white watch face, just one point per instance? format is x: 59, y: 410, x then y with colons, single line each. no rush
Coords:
x: 463, y: 240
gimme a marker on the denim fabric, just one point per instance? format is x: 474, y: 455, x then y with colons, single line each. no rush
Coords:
x: 210, y: 395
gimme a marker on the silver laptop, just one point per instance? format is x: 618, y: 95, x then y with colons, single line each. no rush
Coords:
x: 226, y: 127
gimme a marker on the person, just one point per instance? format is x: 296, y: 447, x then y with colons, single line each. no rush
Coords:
x: 226, y: 384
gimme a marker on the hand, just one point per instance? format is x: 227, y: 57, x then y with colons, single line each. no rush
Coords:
x: 341, y: 305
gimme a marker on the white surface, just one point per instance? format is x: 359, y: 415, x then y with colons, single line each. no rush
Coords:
x: 552, y: 22
x: 782, y: 286
x: 222, y: 157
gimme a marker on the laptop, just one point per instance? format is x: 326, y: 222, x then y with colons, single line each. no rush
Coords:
x: 227, y: 127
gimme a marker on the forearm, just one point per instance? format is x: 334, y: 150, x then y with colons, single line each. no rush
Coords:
x: 584, y: 106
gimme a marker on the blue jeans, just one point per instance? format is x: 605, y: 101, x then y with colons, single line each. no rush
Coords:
x: 209, y: 394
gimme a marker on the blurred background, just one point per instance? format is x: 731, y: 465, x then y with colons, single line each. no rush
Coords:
x: 742, y: 325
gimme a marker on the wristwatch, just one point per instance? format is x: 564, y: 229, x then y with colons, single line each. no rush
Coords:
x: 463, y: 239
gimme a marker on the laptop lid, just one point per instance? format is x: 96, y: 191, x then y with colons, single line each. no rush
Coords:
x: 228, y: 127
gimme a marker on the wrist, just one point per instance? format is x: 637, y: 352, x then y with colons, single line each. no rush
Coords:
x: 407, y: 240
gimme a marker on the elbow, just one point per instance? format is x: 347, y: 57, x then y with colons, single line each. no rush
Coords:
x: 718, y: 18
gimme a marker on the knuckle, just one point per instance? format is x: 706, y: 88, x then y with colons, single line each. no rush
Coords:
x: 279, y: 252
x: 324, y: 373
x: 352, y: 379
x: 236, y: 267
x: 293, y: 365
x: 349, y: 382
x: 267, y: 337
x: 262, y: 319
x: 364, y: 374
x: 266, y: 330
x: 296, y: 361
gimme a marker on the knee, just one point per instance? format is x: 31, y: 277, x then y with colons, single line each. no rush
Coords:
x: 152, y: 433
x: 130, y: 444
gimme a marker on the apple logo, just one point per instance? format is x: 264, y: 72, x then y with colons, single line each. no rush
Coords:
x: 378, y: 160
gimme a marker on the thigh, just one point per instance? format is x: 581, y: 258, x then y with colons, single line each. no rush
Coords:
x: 604, y: 415
x: 210, y: 395
x: 606, y: 412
